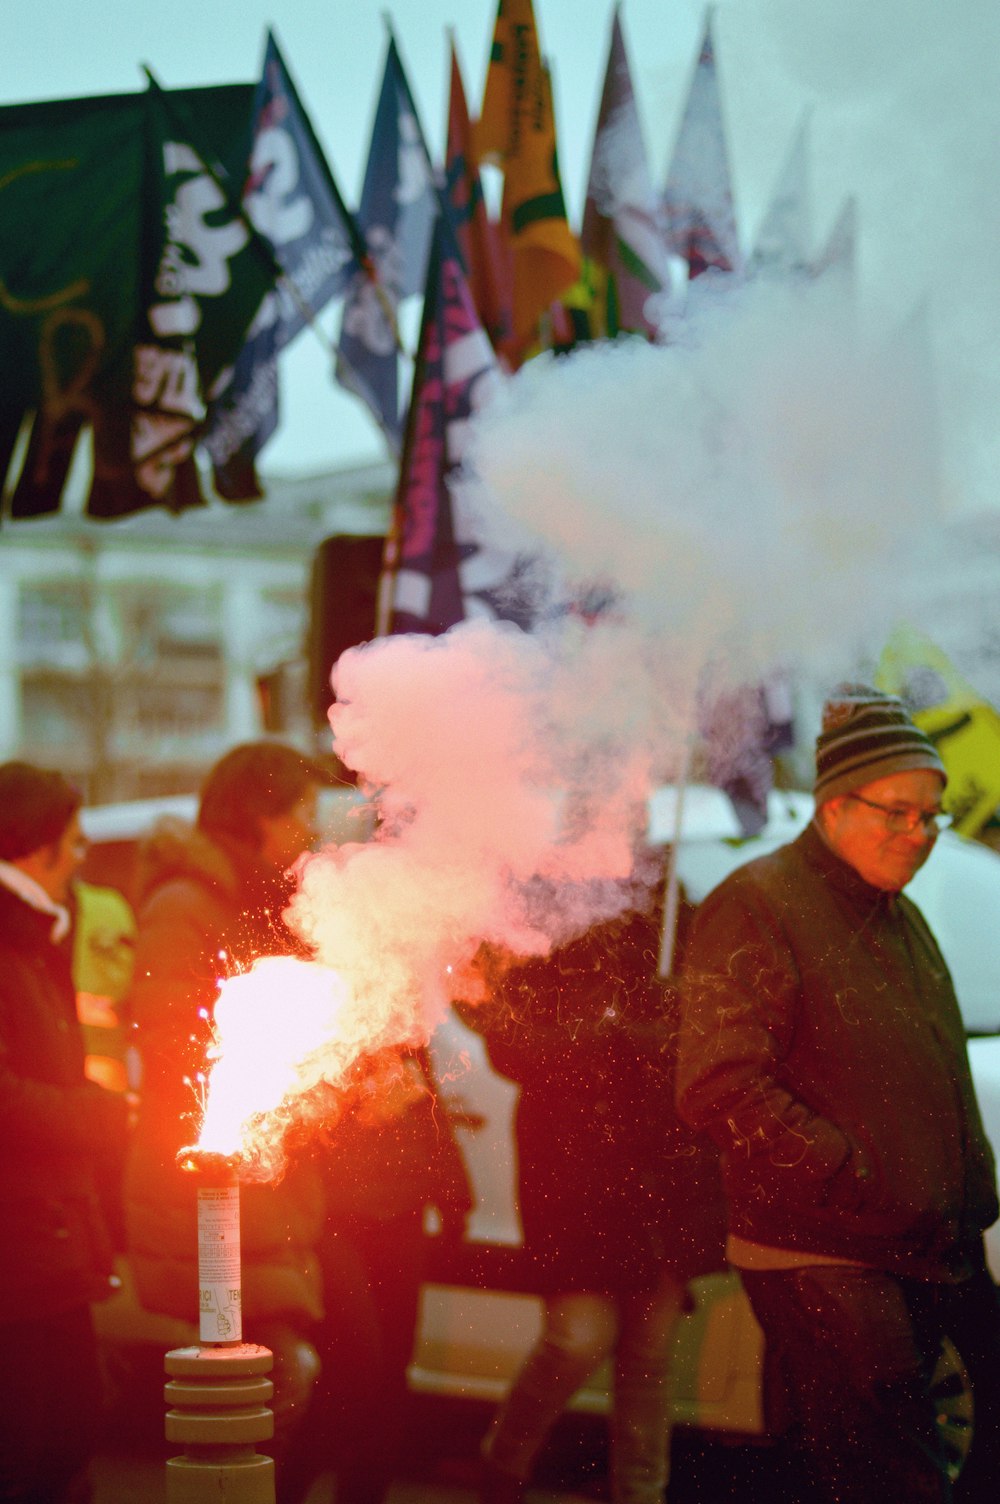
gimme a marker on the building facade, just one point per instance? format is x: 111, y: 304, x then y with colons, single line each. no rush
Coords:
x: 134, y: 653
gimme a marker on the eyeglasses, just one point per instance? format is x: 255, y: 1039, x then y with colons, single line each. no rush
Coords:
x: 904, y: 817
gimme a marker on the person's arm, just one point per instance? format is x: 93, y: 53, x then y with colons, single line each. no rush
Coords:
x: 740, y: 999
x: 175, y: 976
x: 40, y: 1115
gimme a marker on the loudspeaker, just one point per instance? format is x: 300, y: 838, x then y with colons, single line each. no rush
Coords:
x: 345, y: 579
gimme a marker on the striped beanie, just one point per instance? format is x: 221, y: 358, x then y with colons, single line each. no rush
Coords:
x: 867, y: 735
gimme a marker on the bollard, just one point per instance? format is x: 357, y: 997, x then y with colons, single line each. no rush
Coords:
x: 219, y: 1390
x: 218, y: 1398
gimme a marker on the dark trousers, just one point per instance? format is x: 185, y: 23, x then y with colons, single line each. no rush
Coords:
x: 50, y: 1408
x: 356, y: 1421
x: 855, y: 1350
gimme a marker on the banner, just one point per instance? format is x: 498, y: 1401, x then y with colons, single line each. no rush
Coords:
x: 399, y: 205
x: 624, y: 234
x: 698, y: 199
x: 964, y: 727
x: 291, y: 200
x: 201, y: 288
x: 517, y: 132
x: 86, y: 191
x: 443, y: 568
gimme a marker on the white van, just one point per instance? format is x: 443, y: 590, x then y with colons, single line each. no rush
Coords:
x: 476, y: 1321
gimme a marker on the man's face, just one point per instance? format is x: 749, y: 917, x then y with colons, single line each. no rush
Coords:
x: 58, y: 864
x: 867, y: 839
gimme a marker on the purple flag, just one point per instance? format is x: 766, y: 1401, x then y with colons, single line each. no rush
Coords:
x: 443, y: 568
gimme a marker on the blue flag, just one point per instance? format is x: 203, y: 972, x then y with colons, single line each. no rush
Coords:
x: 294, y: 205
x: 399, y: 206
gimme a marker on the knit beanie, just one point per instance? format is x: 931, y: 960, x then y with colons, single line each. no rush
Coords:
x: 36, y: 806
x: 867, y: 735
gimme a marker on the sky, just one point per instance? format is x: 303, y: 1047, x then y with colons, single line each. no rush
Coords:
x: 901, y: 96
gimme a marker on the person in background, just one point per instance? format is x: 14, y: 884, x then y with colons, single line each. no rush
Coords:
x: 823, y: 1049
x: 389, y: 1156
x: 209, y: 900
x: 620, y: 1204
x: 56, y: 1127
x: 104, y: 930
x: 103, y: 940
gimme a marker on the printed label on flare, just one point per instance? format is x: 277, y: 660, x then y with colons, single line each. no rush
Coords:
x: 220, y: 1317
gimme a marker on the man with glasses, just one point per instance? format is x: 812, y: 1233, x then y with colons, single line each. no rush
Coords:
x: 823, y: 1049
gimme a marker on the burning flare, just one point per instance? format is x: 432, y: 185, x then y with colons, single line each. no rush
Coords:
x: 281, y: 1029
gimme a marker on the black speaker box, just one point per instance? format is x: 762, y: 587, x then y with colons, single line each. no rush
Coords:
x: 345, y: 578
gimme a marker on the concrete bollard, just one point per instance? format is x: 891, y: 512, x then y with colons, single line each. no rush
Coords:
x: 218, y: 1398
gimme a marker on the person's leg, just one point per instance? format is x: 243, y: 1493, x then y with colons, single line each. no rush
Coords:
x: 294, y: 1373
x: 394, y: 1260
x: 858, y: 1375
x: 371, y: 1277
x: 971, y: 1318
x: 640, y: 1435
x: 50, y: 1408
x: 579, y: 1332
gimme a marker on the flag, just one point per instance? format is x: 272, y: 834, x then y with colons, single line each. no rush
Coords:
x: 293, y: 203
x: 399, y: 205
x: 623, y: 236
x: 200, y: 290
x: 81, y: 234
x: 484, y: 253
x: 964, y: 727
x: 742, y: 730
x: 516, y: 132
x: 698, y: 199
x: 442, y: 568
x: 784, y: 239
x: 838, y: 256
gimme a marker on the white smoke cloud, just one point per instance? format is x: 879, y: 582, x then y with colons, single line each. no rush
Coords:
x: 753, y: 490
x: 748, y: 495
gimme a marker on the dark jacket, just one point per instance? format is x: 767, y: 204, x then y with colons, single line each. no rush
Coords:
x: 205, y: 910
x: 390, y: 1151
x: 823, y: 1049
x: 55, y: 1127
x: 612, y: 1187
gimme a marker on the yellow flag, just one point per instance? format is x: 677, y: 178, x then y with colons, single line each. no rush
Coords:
x: 516, y: 132
x: 964, y: 728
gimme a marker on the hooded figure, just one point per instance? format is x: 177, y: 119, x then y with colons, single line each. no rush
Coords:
x: 209, y: 901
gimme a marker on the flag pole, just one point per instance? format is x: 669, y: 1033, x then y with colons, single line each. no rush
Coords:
x: 671, y: 903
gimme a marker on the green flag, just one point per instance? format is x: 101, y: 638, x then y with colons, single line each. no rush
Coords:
x: 127, y: 281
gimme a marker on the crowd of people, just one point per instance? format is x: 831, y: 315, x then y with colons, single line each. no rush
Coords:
x: 795, y: 1102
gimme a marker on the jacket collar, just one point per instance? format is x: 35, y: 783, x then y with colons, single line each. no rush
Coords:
x: 33, y: 894
x: 841, y: 875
